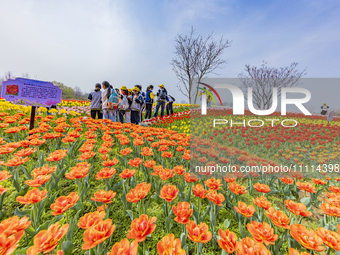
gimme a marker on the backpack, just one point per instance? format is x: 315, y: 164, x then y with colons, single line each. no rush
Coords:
x: 124, y: 104
x: 163, y: 95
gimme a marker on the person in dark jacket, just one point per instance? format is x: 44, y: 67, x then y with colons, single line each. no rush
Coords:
x: 161, y: 98
x: 324, y: 109
x: 96, y: 103
x: 169, y: 107
x: 149, y: 101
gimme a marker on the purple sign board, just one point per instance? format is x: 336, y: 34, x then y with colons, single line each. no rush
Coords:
x: 31, y: 92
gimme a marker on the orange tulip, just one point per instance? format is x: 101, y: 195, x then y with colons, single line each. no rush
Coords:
x: 63, y: 203
x: 142, y: 227
x: 139, y: 192
x: 14, y: 225
x: 4, y: 175
x: 90, y: 219
x: 32, y: 196
x: 135, y: 162
x: 166, y: 173
x: 199, y: 191
x: 319, y: 181
x: 248, y: 246
x: 262, y: 232
x: 2, y: 189
x: 213, y: 183
x: 46, y: 240
x: 262, y: 202
x: 104, y: 196
x: 97, y: 234
x: 109, y: 163
x: 56, y: 155
x: 77, y: 173
x: 228, y: 241
x: 216, y: 198
x: 182, y: 212
x: 8, y: 244
x: 279, y: 219
x: 124, y: 248
x: 180, y: 170
x: 190, y: 177
x: 307, y: 238
x: 45, y: 170
x: 105, y: 173
x: 25, y: 152
x: 292, y: 251
x: 334, y: 189
x: 297, y: 208
x: 170, y: 245
x: 329, y: 238
x: 149, y: 163
x: 169, y: 192
x: 237, y: 189
x: 330, y: 210
x: 287, y: 180
x: 16, y: 161
x: 199, y: 233
x: 306, y: 186
x: 127, y: 173
x: 38, y: 180
x: 263, y: 188
x: 246, y: 211
x: 125, y: 151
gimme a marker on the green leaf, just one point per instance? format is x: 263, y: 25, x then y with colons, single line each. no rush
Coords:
x: 306, y: 201
x: 67, y: 247
x: 30, y: 231
x: 21, y: 214
x: 227, y: 223
x: 118, y: 185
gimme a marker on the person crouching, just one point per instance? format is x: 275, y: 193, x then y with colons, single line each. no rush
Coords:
x: 136, y: 106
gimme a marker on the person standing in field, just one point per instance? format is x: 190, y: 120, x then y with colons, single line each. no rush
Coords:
x: 105, y: 99
x: 96, y: 103
x: 161, y: 98
x: 123, y: 105
x: 113, y: 102
x: 136, y: 106
x: 324, y: 109
x: 142, y: 93
x: 169, y: 106
x: 149, y: 101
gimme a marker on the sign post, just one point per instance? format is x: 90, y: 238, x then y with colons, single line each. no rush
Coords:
x: 31, y: 93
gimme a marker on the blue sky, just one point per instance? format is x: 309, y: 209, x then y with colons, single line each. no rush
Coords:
x: 82, y: 42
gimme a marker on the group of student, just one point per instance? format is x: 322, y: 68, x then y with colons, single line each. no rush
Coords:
x: 127, y: 105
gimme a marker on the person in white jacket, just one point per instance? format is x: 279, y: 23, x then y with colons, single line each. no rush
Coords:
x: 105, y: 99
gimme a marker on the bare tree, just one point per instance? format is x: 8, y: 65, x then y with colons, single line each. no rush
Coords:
x: 263, y: 79
x: 77, y: 92
x: 195, y: 58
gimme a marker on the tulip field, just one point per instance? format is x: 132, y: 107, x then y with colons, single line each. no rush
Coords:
x: 75, y: 185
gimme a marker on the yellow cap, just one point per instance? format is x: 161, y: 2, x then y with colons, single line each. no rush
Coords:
x: 129, y: 90
x: 123, y: 88
x: 161, y: 86
x: 136, y: 88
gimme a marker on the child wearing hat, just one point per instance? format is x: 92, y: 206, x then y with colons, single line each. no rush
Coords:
x: 136, y: 106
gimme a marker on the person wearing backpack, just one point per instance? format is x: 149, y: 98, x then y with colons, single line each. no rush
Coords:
x: 113, y: 102
x: 169, y: 108
x: 136, y: 106
x: 161, y: 98
x: 149, y: 101
x: 123, y: 105
x: 96, y: 102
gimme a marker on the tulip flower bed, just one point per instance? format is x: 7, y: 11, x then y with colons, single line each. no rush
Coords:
x: 74, y: 185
